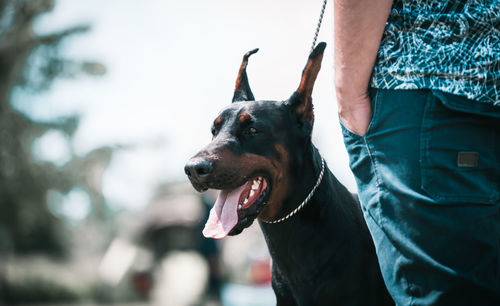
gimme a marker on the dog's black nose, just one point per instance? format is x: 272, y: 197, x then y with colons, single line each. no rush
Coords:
x: 199, y: 168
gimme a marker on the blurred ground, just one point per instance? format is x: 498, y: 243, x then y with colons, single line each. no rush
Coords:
x: 158, y: 257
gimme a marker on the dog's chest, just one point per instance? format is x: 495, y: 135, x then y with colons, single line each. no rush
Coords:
x: 307, y: 264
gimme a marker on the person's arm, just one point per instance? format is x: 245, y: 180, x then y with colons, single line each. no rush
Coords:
x: 359, y: 25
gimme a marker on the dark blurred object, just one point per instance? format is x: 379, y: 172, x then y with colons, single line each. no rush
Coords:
x: 173, y: 224
x: 172, y: 221
x: 143, y: 283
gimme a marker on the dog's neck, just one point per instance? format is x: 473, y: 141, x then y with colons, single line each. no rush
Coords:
x: 321, y: 216
x: 306, y: 175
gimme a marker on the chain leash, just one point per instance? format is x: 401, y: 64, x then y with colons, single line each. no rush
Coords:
x: 319, y: 25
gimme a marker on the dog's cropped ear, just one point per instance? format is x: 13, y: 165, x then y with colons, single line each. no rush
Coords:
x: 242, y: 91
x: 301, y: 99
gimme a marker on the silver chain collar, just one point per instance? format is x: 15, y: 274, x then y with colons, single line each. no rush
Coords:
x: 296, y: 210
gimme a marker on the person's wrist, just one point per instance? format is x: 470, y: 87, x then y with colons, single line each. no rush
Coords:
x: 349, y: 101
x: 354, y: 107
x: 350, y: 90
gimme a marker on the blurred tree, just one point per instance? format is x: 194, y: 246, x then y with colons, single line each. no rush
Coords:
x: 31, y: 62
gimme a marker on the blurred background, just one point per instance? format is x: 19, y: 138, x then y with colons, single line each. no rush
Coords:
x: 101, y: 105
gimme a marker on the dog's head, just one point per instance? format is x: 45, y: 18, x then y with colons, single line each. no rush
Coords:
x: 255, y: 148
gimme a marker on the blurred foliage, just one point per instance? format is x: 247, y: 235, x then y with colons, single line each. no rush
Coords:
x: 31, y: 62
x: 39, y: 290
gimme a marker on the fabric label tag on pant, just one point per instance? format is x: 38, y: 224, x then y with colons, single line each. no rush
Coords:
x: 467, y: 159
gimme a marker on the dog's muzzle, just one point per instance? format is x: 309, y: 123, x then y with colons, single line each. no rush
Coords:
x: 199, y: 171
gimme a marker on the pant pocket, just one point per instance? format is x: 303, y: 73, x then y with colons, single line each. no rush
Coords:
x: 360, y: 161
x: 459, y: 157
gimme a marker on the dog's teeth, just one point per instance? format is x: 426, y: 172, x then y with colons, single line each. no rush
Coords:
x: 256, y: 184
x: 252, y: 192
x: 239, y: 206
x: 246, y: 201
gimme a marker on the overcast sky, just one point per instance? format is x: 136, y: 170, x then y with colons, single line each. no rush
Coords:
x: 171, y: 66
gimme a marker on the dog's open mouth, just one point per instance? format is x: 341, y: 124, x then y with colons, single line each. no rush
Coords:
x: 237, y: 208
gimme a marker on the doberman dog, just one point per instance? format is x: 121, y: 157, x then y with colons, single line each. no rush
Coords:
x: 262, y: 160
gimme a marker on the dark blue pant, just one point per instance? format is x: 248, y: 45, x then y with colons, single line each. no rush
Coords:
x: 428, y: 173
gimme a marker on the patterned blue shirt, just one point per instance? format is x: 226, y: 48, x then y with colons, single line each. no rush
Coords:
x: 449, y: 45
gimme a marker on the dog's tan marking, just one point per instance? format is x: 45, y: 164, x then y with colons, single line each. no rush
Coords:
x: 244, y: 117
x: 280, y: 185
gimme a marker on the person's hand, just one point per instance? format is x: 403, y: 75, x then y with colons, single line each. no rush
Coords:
x: 355, y: 112
x: 358, y: 29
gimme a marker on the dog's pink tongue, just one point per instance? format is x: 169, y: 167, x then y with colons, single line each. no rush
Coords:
x: 224, y: 215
